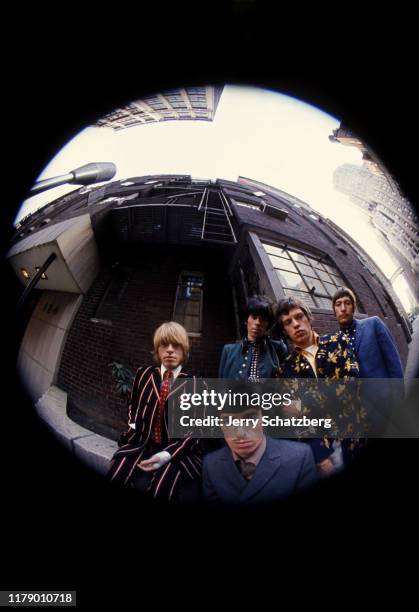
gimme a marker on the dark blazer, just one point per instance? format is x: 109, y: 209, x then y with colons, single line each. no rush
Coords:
x: 286, y: 467
x: 236, y: 359
x: 376, y: 350
x: 186, y: 462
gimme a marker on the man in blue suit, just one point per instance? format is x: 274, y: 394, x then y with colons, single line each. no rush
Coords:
x: 377, y: 356
x: 254, y: 469
x: 374, y: 346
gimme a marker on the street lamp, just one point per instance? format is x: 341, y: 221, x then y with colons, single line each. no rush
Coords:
x: 85, y: 175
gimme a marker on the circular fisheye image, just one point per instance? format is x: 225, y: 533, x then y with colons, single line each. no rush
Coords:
x: 219, y: 297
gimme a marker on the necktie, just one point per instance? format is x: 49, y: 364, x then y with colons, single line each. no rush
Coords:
x: 164, y: 392
x: 254, y: 365
x: 247, y: 468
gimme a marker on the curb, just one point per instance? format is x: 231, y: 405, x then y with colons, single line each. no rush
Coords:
x: 92, y: 449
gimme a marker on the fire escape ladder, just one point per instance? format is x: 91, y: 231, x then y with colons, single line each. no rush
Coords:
x: 216, y: 226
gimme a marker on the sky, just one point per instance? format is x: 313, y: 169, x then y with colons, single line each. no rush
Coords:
x: 256, y: 133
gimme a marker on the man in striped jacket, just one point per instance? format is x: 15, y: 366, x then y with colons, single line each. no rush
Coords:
x: 147, y: 459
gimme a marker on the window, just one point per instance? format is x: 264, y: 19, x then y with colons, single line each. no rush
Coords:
x: 304, y: 275
x: 110, y: 303
x: 189, y: 301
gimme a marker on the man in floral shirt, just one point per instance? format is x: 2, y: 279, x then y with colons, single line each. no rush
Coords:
x: 314, y: 356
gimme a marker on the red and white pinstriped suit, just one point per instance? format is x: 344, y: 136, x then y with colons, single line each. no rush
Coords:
x: 137, y: 444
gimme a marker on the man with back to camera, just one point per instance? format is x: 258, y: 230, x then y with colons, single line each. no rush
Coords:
x: 256, y: 356
x: 314, y: 356
x: 253, y: 468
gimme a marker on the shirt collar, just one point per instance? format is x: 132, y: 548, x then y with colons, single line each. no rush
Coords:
x: 256, y: 456
x: 175, y: 372
x: 316, y: 339
x: 246, y: 344
x: 349, y: 329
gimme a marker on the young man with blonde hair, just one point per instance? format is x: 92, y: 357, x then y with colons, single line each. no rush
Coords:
x: 148, y: 459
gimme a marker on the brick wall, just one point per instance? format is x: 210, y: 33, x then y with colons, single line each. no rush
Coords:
x: 147, y: 301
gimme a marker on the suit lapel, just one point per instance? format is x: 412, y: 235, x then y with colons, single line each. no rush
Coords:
x: 176, y: 388
x: 231, y: 475
x: 179, y: 384
x: 358, y: 333
x: 266, y: 469
x: 156, y: 382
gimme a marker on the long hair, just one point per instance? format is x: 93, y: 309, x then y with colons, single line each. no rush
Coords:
x: 260, y: 305
x: 171, y: 332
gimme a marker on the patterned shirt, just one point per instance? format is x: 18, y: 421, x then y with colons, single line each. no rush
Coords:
x: 254, y: 374
x: 350, y: 332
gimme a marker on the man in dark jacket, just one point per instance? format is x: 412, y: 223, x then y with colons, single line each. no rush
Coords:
x: 329, y: 356
x: 256, y: 356
x: 147, y: 458
x: 253, y: 468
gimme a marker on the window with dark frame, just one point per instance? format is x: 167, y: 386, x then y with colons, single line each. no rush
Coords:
x: 111, y: 300
x: 188, y: 304
x: 306, y: 276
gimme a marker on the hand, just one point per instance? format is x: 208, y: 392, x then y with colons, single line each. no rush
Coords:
x: 155, y: 462
x: 326, y: 468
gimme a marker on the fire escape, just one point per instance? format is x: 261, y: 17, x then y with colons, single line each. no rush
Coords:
x: 216, y: 224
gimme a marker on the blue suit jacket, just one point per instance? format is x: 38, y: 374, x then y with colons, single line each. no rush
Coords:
x: 236, y: 359
x: 376, y: 350
x: 378, y: 358
x: 285, y: 468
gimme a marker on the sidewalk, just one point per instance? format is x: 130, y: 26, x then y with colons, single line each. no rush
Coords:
x: 94, y: 450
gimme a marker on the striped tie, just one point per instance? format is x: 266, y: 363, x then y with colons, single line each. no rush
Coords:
x: 164, y: 392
